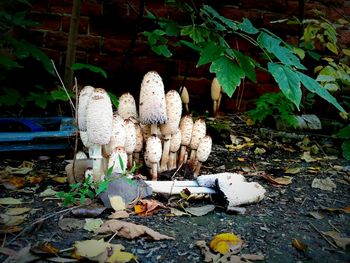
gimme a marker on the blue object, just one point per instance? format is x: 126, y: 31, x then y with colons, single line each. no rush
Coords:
x: 39, y: 136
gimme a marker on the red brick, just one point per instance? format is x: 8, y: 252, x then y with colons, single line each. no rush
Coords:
x: 195, y: 86
x: 262, y: 76
x: 107, y: 62
x: 47, y: 21
x: 118, y: 45
x: 40, y: 6
x: 235, y: 105
x: 270, y: 5
x: 237, y: 14
x: 53, y: 54
x: 344, y: 38
x: 56, y: 40
x: 91, y: 8
x: 33, y: 36
x: 189, y: 68
x: 89, y: 43
x: 282, y: 28
x: 60, y: 6
x: 83, y: 24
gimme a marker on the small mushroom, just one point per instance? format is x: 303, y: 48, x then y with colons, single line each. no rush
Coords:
x: 127, y: 106
x: 198, y: 132
x: 152, y: 107
x: 173, y: 110
x: 185, y: 98
x: 99, y: 118
x: 118, y: 134
x: 84, y: 97
x: 154, y: 153
x: 203, y: 152
x: 186, y: 126
x: 215, y: 95
x: 130, y: 139
x: 139, y: 141
x: 118, y: 160
x: 174, y: 147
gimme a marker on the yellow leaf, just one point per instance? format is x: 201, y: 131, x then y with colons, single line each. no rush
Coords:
x: 139, y: 209
x: 299, y: 245
x: 17, y: 211
x: 259, y: 150
x: 10, y: 201
x: 223, y: 242
x: 293, y: 170
x: 307, y: 157
x: 284, y: 180
x: 241, y: 159
x: 121, y: 257
x: 60, y: 179
x: 117, y: 202
x: 12, y: 220
x: 90, y: 248
x: 249, y: 122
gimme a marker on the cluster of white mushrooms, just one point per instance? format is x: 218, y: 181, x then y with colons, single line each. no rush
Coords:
x: 117, y: 139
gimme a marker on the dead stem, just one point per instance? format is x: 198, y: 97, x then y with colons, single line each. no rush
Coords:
x: 323, y: 235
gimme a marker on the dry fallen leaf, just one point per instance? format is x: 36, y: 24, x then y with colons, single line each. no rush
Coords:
x: 23, y: 256
x: 208, y: 255
x: 200, y: 210
x: 323, y: 184
x: 119, y: 214
x: 307, y: 157
x: 59, y: 179
x: 226, y: 242
x: 259, y: 150
x: 17, y: 211
x: 177, y: 212
x: 148, y: 207
x: 35, y: 179
x: 10, y: 221
x: 283, y: 180
x: 88, y: 211
x: 10, y: 201
x: 299, y: 245
x: 10, y: 229
x: 44, y: 248
x: 117, y: 202
x: 49, y: 192
x: 293, y: 170
x: 120, y: 256
x: 342, y: 242
x: 129, y: 230
x: 90, y: 248
x: 14, y: 182
x: 92, y: 224
x: 70, y: 224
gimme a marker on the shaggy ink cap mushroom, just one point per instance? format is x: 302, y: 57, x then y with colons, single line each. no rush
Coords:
x: 186, y: 126
x: 130, y: 139
x: 118, y: 134
x: 174, y: 147
x: 173, y: 110
x: 203, y: 152
x: 154, y: 153
x: 127, y: 106
x: 198, y: 132
x: 152, y: 107
x: 118, y: 160
x: 84, y: 97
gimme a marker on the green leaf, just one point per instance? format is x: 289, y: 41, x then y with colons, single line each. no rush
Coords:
x: 191, y: 45
x: 247, y: 64
x: 331, y: 87
x: 209, y: 11
x: 229, y: 74
x: 210, y: 53
x: 162, y: 50
x: 40, y: 56
x: 40, y: 99
x: 247, y: 27
x: 314, y: 55
x: 344, y: 133
x: 114, y: 99
x: 322, y: 78
x: 121, y: 163
x: 313, y: 86
x: 346, y: 52
x: 284, y: 54
x: 300, y: 52
x: 346, y: 149
x: 11, y: 97
x: 288, y: 81
x: 60, y: 94
x: 172, y: 29
x: 332, y: 47
x: 8, y: 63
x: 92, y: 68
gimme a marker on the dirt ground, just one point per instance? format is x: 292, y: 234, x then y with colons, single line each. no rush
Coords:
x: 291, y: 211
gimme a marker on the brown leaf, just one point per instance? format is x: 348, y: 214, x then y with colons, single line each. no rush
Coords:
x: 148, y: 207
x: 299, y: 245
x: 253, y: 257
x: 70, y: 224
x: 284, y: 180
x: 208, y: 255
x: 119, y: 214
x: 44, y: 248
x: 35, y: 179
x: 23, y: 256
x: 14, y: 182
x: 10, y: 230
x: 129, y: 230
x: 88, y: 211
x: 342, y: 242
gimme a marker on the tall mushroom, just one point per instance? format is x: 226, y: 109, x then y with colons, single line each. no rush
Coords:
x: 152, y: 107
x: 85, y: 140
x: 185, y: 98
x: 84, y: 97
x: 99, y: 118
x: 198, y: 132
x: 173, y: 110
x: 118, y: 160
x: 203, y: 152
x: 127, y: 106
x: 215, y: 95
x: 186, y: 126
x: 118, y: 134
x: 154, y: 153
x: 174, y: 147
x: 130, y: 139
x: 139, y: 140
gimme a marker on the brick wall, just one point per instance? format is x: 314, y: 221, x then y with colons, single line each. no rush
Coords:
x: 108, y: 27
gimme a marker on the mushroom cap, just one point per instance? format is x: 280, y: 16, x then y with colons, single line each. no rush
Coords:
x: 215, y: 89
x: 175, y: 141
x: 130, y: 138
x: 118, y: 160
x: 184, y: 95
x: 173, y: 111
x: 204, y: 148
x: 146, y: 131
x: 85, y: 139
x: 198, y: 132
x: 139, y: 138
x: 147, y: 162
x: 186, y: 126
x: 118, y: 134
x: 99, y: 117
x: 152, y: 107
x: 154, y: 149
x: 84, y: 97
x: 127, y: 106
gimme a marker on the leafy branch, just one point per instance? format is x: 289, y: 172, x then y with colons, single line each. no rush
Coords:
x: 207, y: 35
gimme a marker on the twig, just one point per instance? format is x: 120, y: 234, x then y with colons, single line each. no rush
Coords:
x: 40, y: 220
x: 63, y: 86
x: 66, y: 249
x: 335, y: 228
x: 109, y: 240
x: 323, y: 235
x: 172, y: 177
x: 76, y: 133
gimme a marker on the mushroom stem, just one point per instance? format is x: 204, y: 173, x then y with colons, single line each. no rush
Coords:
x: 196, y: 170
x: 182, y: 154
x: 165, y: 153
x: 154, y: 172
x: 129, y: 160
x: 154, y: 129
x: 192, y: 160
x: 219, y: 102
x: 96, y: 154
x: 172, y: 161
x: 215, y: 107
